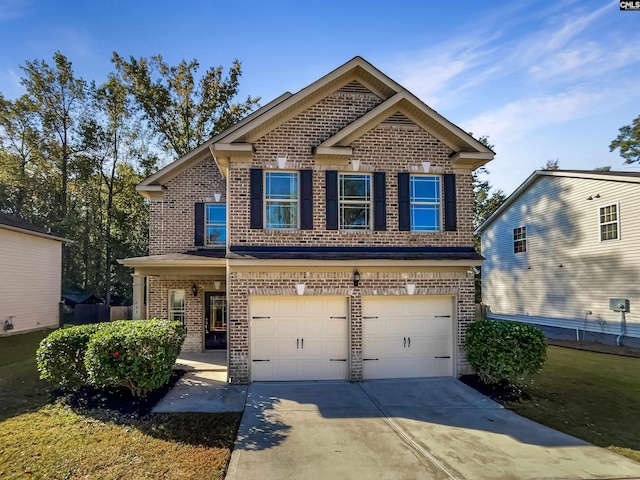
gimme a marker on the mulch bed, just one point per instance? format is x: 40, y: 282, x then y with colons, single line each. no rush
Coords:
x: 117, y: 400
x: 501, y: 393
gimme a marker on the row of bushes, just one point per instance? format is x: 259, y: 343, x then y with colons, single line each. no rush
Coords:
x: 505, y: 352
x: 136, y: 354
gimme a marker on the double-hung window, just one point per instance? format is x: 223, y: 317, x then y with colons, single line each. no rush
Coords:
x: 177, y: 305
x: 215, y: 224
x: 609, y: 222
x: 281, y: 200
x: 519, y: 239
x: 425, y: 201
x: 354, y: 201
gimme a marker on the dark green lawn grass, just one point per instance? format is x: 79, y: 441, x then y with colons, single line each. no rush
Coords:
x: 592, y: 396
x: 40, y: 438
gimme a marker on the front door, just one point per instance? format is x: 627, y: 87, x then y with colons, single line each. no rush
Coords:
x: 215, y: 321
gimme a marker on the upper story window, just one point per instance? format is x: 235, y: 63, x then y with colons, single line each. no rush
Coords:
x: 425, y: 200
x: 354, y: 201
x: 177, y: 300
x: 215, y: 224
x: 281, y: 200
x: 609, y: 222
x: 519, y: 239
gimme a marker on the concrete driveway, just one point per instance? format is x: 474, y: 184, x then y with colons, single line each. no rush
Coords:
x: 403, y: 429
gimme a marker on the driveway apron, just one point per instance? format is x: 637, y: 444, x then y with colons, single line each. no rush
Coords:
x: 403, y: 429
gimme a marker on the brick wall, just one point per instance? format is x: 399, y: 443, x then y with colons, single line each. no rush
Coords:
x: 389, y: 148
x: 428, y: 282
x: 171, y: 218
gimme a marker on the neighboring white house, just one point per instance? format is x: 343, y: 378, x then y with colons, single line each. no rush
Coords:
x: 30, y: 276
x: 560, y: 247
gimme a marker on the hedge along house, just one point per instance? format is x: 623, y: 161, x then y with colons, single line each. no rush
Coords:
x: 328, y: 235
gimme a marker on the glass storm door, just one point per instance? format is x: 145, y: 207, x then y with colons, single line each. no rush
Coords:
x: 215, y: 321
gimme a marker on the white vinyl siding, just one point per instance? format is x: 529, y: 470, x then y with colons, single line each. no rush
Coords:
x: 30, y: 281
x: 567, y: 270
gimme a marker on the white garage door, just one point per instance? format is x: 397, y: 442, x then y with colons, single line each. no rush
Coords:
x: 299, y: 338
x: 407, y: 337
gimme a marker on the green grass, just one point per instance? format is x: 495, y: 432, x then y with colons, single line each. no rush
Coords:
x: 592, y: 396
x: 42, y: 439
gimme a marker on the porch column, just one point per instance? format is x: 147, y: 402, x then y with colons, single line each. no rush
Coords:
x: 138, y: 296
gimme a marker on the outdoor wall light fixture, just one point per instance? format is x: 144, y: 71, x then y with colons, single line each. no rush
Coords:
x: 300, y: 288
x: 411, y: 288
x: 194, y: 290
x: 356, y: 278
x: 589, y: 197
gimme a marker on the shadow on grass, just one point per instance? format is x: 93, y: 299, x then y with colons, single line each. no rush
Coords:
x: 120, y: 407
x: 21, y: 390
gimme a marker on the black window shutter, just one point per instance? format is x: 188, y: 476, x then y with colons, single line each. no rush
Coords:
x: 306, y: 199
x: 198, y: 231
x: 450, y: 223
x: 404, y: 202
x: 379, y: 201
x: 255, y: 185
x: 331, y: 192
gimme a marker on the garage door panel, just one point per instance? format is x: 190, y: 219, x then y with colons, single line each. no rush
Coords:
x: 304, y: 337
x: 406, y: 334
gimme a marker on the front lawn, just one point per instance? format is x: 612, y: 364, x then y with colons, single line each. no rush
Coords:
x: 592, y: 396
x: 41, y: 438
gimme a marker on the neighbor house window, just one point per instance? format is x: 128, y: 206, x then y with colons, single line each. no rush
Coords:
x: 519, y: 239
x: 609, y: 222
x: 425, y: 203
x: 215, y: 224
x: 177, y: 304
x: 354, y: 207
x: 281, y: 200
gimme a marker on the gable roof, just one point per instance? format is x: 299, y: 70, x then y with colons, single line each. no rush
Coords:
x: 626, y: 177
x: 16, y: 224
x: 357, y: 73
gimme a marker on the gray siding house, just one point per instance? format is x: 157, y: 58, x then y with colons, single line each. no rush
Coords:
x: 561, y: 246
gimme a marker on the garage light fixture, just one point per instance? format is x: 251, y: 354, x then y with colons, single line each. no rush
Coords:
x: 356, y: 278
x: 194, y: 290
x: 411, y: 288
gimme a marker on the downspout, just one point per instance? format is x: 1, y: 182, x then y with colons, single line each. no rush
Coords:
x: 623, y: 328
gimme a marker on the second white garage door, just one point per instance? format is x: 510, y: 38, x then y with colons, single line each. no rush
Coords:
x: 299, y: 338
x: 407, y: 337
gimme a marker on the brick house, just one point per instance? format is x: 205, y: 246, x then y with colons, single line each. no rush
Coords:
x: 328, y: 235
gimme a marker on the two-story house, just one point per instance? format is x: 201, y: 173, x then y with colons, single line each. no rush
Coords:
x: 328, y: 235
x: 560, y: 248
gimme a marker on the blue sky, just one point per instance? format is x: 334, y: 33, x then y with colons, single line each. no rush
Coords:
x: 544, y: 80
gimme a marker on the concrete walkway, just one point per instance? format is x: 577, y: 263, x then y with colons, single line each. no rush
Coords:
x: 204, y: 387
x: 436, y: 429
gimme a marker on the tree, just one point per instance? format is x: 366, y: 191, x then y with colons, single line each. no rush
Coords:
x: 552, y: 165
x: 182, y: 111
x: 602, y: 169
x: 58, y: 98
x: 628, y: 141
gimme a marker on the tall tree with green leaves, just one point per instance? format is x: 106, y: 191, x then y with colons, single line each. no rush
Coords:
x: 58, y: 97
x: 183, y: 111
x: 628, y: 141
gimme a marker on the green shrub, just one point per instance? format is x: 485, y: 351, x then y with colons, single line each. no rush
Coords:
x: 61, y: 356
x: 138, y: 355
x: 505, y: 352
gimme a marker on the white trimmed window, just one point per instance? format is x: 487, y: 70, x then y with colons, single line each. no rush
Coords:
x: 281, y: 200
x: 354, y: 201
x: 609, y: 222
x: 215, y: 224
x: 519, y: 239
x: 425, y: 197
x: 177, y: 305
